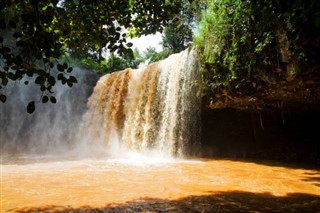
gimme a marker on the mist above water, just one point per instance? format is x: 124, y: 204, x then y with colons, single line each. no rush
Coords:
x: 52, y: 128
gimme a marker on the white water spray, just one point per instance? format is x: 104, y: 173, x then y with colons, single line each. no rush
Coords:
x: 51, y: 129
x: 152, y: 109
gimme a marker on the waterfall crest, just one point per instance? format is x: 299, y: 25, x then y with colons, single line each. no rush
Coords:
x: 152, y: 108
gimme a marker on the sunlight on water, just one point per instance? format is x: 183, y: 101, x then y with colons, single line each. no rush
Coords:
x: 149, y: 157
x: 35, y: 185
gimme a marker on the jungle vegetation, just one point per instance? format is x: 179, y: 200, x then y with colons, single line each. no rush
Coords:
x: 237, y: 41
x: 244, y: 44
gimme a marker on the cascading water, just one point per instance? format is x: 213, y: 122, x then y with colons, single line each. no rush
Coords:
x: 148, y: 109
x: 153, y: 108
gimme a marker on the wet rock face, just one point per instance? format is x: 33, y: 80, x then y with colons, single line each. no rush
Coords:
x: 280, y: 134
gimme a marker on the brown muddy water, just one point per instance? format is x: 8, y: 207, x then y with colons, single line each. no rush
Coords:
x: 142, y: 184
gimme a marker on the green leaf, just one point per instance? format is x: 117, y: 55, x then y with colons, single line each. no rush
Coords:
x: 65, y: 65
x: 70, y: 84
x: 45, y: 99
x: 117, y: 36
x: 15, y: 67
x: 60, y: 67
x: 70, y: 69
x: 3, y: 98
x: 29, y: 72
x: 40, y: 80
x: 60, y: 76
x: 114, y: 48
x: 63, y: 80
x: 12, y: 76
x: 73, y: 79
x: 51, y: 80
x: 49, y: 89
x: 31, y: 107
x: 129, y: 44
x: 42, y: 88
x: 4, y: 81
x: 130, y: 53
x: 53, y: 99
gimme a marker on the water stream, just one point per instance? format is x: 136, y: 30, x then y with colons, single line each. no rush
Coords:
x: 144, y: 184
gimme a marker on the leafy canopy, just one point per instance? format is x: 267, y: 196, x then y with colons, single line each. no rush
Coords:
x: 35, y: 33
x: 238, y: 40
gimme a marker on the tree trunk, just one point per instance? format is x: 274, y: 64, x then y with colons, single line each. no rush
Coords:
x: 286, y: 55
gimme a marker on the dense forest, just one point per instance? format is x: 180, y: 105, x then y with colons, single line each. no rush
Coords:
x: 245, y: 47
x: 249, y: 47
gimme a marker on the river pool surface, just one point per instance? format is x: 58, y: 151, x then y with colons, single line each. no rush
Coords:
x: 157, y: 185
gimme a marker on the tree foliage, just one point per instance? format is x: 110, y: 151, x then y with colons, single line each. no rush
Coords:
x: 112, y: 63
x: 27, y: 47
x: 177, y: 36
x: 34, y: 35
x: 237, y: 40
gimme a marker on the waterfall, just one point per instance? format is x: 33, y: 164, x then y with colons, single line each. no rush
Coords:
x: 151, y: 108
